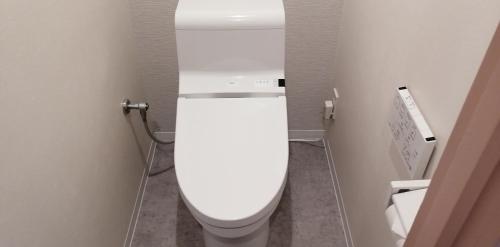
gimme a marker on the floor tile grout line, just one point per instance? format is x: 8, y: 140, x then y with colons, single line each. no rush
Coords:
x: 146, y: 171
x: 336, y: 186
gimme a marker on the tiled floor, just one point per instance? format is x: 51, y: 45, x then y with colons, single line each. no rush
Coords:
x: 307, y: 215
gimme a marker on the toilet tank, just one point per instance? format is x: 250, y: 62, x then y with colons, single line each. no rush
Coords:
x: 230, y: 46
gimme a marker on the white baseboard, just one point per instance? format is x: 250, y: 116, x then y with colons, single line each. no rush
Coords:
x: 165, y: 135
x: 338, y: 194
x: 293, y: 135
x: 140, y: 194
x: 306, y: 135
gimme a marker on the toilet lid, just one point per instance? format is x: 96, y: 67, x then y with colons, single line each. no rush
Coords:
x: 231, y: 157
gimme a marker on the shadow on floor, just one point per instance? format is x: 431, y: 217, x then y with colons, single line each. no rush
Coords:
x: 280, y: 234
x: 189, y: 232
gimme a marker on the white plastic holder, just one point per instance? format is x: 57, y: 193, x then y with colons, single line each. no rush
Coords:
x: 403, y: 201
x: 401, y: 186
x: 331, y: 106
x: 328, y: 110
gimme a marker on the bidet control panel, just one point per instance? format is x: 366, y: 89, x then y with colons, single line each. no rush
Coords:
x: 270, y: 83
x: 212, y: 83
x: 266, y: 83
x: 411, y: 133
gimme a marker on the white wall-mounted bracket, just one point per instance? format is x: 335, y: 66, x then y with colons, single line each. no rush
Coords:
x: 331, y: 106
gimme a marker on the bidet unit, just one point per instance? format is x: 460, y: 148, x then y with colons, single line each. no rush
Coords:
x: 231, y: 142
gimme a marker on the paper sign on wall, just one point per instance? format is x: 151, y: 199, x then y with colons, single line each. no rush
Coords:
x: 411, y: 133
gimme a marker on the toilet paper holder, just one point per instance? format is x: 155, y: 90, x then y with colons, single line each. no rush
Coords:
x: 403, y: 202
x: 402, y: 186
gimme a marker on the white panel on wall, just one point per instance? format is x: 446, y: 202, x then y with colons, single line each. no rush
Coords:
x: 411, y: 133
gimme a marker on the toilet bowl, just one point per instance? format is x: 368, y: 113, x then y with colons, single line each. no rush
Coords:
x: 231, y: 141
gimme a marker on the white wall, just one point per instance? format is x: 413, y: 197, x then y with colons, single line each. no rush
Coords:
x: 70, y: 162
x: 434, y: 47
x: 311, y: 34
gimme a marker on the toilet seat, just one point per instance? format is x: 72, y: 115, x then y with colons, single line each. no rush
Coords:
x: 231, y: 157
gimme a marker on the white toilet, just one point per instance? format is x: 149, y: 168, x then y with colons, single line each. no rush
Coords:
x: 231, y: 143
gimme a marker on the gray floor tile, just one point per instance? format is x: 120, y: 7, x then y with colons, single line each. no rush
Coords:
x: 306, y: 216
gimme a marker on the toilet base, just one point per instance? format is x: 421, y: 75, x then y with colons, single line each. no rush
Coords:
x: 258, y: 238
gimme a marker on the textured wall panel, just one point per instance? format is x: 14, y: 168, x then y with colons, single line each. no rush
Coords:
x: 310, y: 46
